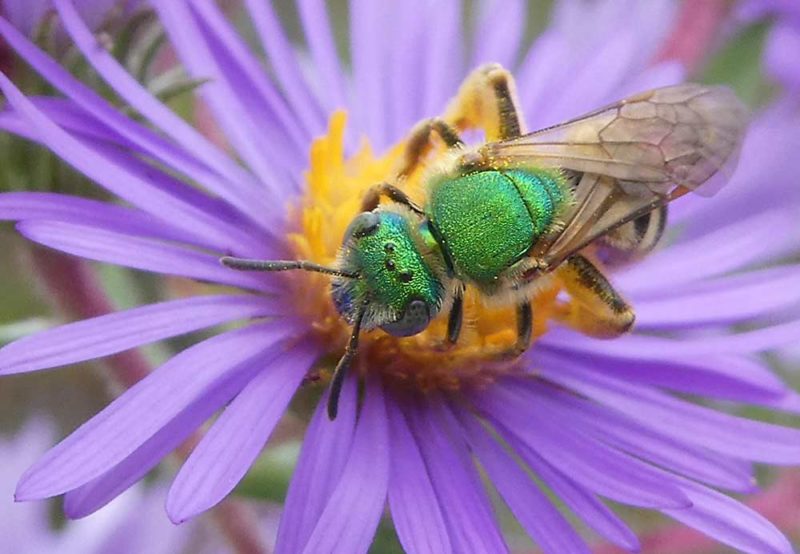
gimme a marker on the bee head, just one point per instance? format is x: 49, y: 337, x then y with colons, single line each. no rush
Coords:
x: 388, y: 274
x: 399, y: 276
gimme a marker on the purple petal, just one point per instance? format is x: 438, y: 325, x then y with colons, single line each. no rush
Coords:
x: 226, y: 228
x: 325, y: 58
x: 67, y: 114
x: 789, y: 403
x: 16, y: 206
x: 591, y: 463
x: 725, y: 300
x: 368, y: 23
x: 352, y: 514
x: 283, y: 60
x: 443, y: 63
x: 239, y: 188
x: 660, y: 75
x: 111, y: 175
x: 403, y: 81
x: 24, y: 15
x: 232, y: 444
x: 325, y: 451
x: 748, y: 342
x: 543, y: 68
x: 625, y: 434
x: 225, y: 231
x: 500, y: 27
x: 756, y: 238
x: 225, y: 101
x: 596, y: 80
x: 137, y: 252
x: 284, y: 143
x: 780, y: 52
x: 545, y: 525
x: 415, y: 509
x: 116, y: 332
x: 645, y: 347
x: 133, y: 418
x: 471, y: 522
x: 724, y: 433
x: 581, y: 501
x: 730, y: 522
x: 721, y: 376
x: 98, y: 492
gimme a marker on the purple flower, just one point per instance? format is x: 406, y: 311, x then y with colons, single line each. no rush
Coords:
x: 27, y: 15
x: 130, y: 526
x: 593, y: 420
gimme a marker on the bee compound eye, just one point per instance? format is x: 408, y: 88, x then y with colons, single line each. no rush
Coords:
x: 365, y: 223
x: 415, y: 319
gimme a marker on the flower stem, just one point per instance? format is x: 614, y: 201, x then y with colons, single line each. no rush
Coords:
x: 694, y: 32
x: 78, y: 294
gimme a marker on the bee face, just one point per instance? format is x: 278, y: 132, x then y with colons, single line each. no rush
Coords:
x: 395, y: 275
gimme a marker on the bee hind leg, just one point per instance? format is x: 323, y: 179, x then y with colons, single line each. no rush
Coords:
x: 595, y: 308
x: 634, y: 239
x: 488, y: 100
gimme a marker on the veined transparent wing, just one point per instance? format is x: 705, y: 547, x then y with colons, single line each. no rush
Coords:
x: 633, y: 156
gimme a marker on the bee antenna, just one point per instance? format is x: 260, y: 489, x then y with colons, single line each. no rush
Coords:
x: 344, y: 364
x: 244, y: 264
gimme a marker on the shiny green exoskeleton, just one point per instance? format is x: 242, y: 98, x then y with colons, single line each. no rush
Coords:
x: 501, y: 216
x: 487, y: 221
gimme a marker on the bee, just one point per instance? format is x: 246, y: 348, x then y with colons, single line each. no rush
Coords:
x: 509, y: 214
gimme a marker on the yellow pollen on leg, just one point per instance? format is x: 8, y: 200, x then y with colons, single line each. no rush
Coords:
x: 335, y: 186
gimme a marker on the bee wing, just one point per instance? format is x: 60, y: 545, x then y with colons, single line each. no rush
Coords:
x: 634, y: 156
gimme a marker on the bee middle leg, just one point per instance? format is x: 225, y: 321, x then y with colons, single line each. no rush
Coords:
x: 595, y: 308
x: 524, y: 330
x: 374, y: 194
x: 418, y: 143
x: 524, y: 334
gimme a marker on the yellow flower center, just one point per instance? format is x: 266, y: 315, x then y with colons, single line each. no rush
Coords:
x: 335, y: 187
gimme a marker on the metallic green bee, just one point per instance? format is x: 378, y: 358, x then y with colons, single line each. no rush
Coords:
x: 508, y: 215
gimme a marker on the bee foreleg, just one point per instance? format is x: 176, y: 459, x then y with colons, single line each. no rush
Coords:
x: 488, y: 99
x: 419, y: 142
x: 373, y: 197
x: 595, y: 308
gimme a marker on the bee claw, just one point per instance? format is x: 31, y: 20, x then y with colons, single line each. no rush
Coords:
x: 444, y: 346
